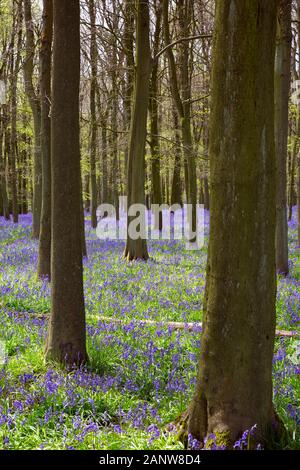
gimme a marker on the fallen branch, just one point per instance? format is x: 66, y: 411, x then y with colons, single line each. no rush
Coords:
x: 194, y: 326
x: 182, y: 326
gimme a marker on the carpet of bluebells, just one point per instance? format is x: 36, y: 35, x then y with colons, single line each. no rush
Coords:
x: 140, y: 377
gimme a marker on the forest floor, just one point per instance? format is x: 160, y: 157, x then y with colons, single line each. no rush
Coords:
x: 140, y: 377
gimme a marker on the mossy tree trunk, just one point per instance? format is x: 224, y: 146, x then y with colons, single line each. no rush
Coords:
x: 282, y: 88
x: 137, y: 249
x: 66, y: 334
x: 234, y: 387
x: 44, y: 260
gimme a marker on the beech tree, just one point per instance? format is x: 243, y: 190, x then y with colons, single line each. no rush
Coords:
x: 93, y: 141
x: 282, y: 88
x: 137, y: 249
x: 234, y: 387
x: 34, y: 101
x: 45, y: 87
x: 66, y: 334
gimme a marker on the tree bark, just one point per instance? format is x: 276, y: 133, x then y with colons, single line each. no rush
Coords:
x: 129, y: 63
x: 15, y: 65
x: 66, y: 341
x: 44, y: 261
x: 176, y: 196
x: 234, y: 387
x: 182, y: 100
x: 282, y: 88
x: 3, y: 182
x: 35, y: 106
x: 93, y: 141
x: 154, y: 141
x: 137, y: 249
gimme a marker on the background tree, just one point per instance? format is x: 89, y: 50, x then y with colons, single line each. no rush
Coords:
x: 282, y: 88
x: 93, y: 138
x: 34, y: 101
x: 137, y: 249
x: 44, y: 261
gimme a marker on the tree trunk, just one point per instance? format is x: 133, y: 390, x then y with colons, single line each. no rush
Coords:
x: 176, y: 197
x: 282, y: 88
x: 185, y: 18
x: 36, y: 112
x: 15, y: 65
x: 137, y: 249
x: 182, y: 101
x: 93, y: 141
x: 114, y: 117
x: 291, y: 193
x: 154, y: 141
x: 206, y: 192
x: 129, y: 62
x: 234, y: 387
x: 298, y: 200
x: 3, y: 183
x: 66, y: 334
x: 44, y: 260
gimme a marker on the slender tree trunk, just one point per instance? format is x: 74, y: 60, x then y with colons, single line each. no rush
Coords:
x: 185, y: 17
x: 291, y: 194
x: 44, y: 260
x: 3, y: 183
x: 93, y: 141
x: 182, y: 101
x: 176, y: 197
x: 66, y: 334
x: 82, y: 221
x: 114, y: 117
x: 34, y: 102
x: 234, y: 388
x: 104, y: 161
x: 206, y: 192
x: 282, y: 88
x: 129, y: 63
x: 15, y: 65
x: 137, y: 249
x: 154, y: 141
x: 298, y: 199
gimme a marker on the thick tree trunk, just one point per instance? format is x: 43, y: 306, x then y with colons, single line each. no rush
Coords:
x: 93, y: 141
x: 66, y: 334
x: 137, y: 249
x: 282, y: 88
x: 234, y: 387
x: 44, y: 260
